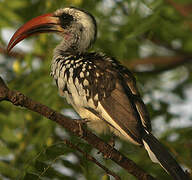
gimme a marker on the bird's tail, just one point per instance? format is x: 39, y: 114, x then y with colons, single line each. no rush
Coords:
x: 159, y: 154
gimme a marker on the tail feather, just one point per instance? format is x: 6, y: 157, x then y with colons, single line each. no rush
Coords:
x: 159, y: 154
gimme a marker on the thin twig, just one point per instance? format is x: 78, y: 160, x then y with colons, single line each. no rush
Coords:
x: 159, y: 64
x: 87, y: 156
x: 45, y: 169
x: 91, y: 158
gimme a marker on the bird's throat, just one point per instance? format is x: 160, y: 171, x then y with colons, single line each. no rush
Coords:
x: 67, y: 36
x: 67, y: 46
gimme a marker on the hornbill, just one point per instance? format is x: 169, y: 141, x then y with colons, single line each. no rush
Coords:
x: 98, y: 87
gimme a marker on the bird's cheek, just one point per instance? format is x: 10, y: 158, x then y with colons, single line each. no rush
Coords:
x: 67, y: 36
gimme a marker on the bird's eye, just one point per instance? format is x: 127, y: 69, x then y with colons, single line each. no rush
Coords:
x: 65, y: 20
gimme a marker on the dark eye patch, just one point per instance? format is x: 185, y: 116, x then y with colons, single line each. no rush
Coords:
x: 65, y: 19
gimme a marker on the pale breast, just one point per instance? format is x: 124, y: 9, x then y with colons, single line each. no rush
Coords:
x: 72, y: 76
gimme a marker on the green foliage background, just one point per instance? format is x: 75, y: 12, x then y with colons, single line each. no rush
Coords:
x: 31, y: 146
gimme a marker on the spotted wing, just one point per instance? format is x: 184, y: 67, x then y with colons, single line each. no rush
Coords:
x: 123, y: 108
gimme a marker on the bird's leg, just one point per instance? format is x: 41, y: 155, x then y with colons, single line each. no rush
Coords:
x: 81, y: 123
x: 111, y: 142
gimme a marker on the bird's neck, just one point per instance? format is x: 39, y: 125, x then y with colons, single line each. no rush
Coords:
x: 67, y: 47
x: 72, y: 45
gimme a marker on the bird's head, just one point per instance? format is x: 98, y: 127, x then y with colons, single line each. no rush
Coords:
x: 77, y: 27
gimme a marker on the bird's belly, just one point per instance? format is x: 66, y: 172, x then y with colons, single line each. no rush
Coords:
x: 94, y: 122
x: 76, y: 96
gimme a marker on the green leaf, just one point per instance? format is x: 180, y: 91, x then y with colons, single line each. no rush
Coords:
x: 144, y: 26
x: 8, y: 14
x: 54, y: 151
x: 8, y: 170
x: 31, y: 176
x: 106, y: 177
x: 9, y: 135
x: 4, y: 150
x: 16, y: 4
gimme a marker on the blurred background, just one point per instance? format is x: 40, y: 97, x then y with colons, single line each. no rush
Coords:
x: 153, y: 38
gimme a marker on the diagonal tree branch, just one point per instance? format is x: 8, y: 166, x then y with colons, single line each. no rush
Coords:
x: 19, y: 99
x: 91, y: 158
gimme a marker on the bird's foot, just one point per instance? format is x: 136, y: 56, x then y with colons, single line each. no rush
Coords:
x: 112, y: 141
x: 108, y: 155
x: 81, y: 123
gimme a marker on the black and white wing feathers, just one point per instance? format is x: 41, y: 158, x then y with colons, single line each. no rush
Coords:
x: 121, y: 106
